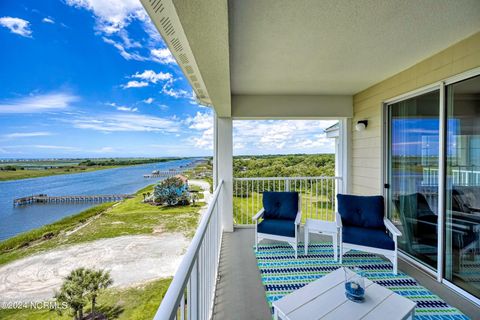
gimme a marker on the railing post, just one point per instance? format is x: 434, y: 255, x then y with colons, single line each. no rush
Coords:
x: 193, y: 293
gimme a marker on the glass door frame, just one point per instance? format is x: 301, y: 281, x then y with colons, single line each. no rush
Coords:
x: 441, y: 86
x: 386, y: 170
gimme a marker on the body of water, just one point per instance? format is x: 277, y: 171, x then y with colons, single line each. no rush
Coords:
x: 15, y: 220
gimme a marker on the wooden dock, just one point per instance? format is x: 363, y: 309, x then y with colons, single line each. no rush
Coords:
x: 43, y: 198
x: 162, y: 174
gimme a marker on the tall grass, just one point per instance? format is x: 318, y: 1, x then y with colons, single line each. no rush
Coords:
x: 51, y: 230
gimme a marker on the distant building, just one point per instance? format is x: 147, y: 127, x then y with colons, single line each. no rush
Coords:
x: 184, y: 180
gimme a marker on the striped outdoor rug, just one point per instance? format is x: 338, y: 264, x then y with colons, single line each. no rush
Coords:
x: 282, y: 274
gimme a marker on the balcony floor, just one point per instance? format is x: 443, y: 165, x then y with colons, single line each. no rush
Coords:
x: 240, y: 293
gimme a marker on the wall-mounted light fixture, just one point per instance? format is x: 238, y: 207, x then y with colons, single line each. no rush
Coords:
x: 361, y: 125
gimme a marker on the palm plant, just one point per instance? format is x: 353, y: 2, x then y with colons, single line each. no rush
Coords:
x: 80, y: 286
x: 96, y: 281
x: 73, y: 292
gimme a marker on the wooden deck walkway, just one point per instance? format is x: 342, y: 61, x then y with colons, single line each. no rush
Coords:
x: 43, y: 198
x: 161, y: 174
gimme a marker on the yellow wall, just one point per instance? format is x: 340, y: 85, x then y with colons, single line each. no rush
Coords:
x: 367, y: 104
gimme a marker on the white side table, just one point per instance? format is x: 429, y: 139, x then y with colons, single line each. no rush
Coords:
x: 328, y: 228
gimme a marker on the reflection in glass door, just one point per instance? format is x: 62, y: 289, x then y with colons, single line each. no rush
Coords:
x: 462, y: 222
x: 412, y: 174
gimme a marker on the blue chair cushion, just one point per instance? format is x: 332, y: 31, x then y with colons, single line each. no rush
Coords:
x: 361, y: 211
x: 277, y: 227
x: 367, y: 237
x: 280, y: 205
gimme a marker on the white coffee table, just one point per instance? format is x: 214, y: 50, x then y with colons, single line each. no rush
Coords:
x: 328, y: 228
x: 325, y: 299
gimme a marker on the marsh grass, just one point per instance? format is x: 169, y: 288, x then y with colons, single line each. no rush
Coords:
x: 29, y: 173
x: 108, y: 220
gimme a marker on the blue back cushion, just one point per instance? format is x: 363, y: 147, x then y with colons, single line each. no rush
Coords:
x: 361, y: 211
x: 280, y: 205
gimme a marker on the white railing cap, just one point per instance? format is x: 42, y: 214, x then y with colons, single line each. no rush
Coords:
x: 287, y: 178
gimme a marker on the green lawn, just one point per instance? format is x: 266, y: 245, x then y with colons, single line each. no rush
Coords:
x: 198, y: 190
x: 127, y: 217
x: 245, y: 208
x: 138, y: 303
x: 25, y: 174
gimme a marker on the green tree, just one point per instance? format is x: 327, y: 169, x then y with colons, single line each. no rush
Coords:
x: 171, y: 191
x: 96, y: 281
x: 73, y: 292
x: 80, y: 286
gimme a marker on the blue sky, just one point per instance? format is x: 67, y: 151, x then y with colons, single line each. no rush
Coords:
x: 93, y: 78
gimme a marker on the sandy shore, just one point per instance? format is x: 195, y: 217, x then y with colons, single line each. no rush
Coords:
x: 131, y: 260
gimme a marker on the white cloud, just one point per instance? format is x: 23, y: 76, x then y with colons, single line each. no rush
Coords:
x: 168, y: 90
x: 205, y: 141
x: 17, y: 26
x: 48, y: 20
x: 16, y: 135
x: 152, y: 76
x: 38, y: 103
x: 129, y: 109
x: 123, y: 52
x: 18, y: 149
x: 122, y: 108
x: 203, y: 123
x: 164, y: 56
x: 148, y: 100
x: 43, y: 146
x: 112, y: 18
x: 265, y: 136
x: 105, y: 150
x: 126, y: 122
x: 283, y: 136
x: 127, y: 41
x: 146, y: 77
x: 112, y: 15
x: 135, y: 84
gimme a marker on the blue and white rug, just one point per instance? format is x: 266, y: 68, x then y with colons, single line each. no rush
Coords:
x: 282, y: 273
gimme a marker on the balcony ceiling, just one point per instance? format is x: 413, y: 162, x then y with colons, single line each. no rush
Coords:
x: 337, y: 46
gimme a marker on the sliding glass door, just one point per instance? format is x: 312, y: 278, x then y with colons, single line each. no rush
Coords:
x: 412, y: 189
x: 432, y: 179
x: 462, y: 222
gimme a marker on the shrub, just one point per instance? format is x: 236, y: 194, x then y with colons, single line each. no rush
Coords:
x: 171, y: 191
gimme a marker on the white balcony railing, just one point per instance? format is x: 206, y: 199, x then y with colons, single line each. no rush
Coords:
x: 318, y: 195
x: 192, y: 291
x: 459, y: 177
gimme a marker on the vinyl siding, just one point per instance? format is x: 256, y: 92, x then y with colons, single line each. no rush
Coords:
x: 367, y: 105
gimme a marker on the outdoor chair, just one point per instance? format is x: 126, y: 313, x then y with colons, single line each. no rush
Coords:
x: 364, y: 227
x: 281, y: 215
x: 421, y: 229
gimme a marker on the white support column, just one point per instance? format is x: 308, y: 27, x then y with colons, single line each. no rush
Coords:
x: 223, y: 168
x: 344, y: 154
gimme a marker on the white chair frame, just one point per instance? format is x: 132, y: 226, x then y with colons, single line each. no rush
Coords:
x: 391, y: 255
x: 292, y: 241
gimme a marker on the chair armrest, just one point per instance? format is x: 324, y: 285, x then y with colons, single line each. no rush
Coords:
x: 259, y: 214
x: 298, y: 218
x: 391, y: 227
x: 338, y: 220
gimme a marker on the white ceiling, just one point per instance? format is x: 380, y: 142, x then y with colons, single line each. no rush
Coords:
x: 337, y: 46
